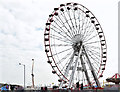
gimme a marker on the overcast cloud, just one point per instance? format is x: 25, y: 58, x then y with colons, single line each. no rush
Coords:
x: 22, y: 24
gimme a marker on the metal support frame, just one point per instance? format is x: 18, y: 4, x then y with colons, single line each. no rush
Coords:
x: 78, y: 73
x: 72, y: 74
x: 67, y: 69
x: 77, y: 49
x: 85, y: 70
x: 81, y: 52
x: 92, y: 69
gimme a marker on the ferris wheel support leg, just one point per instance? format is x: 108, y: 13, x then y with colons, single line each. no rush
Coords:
x: 85, y: 70
x: 92, y: 69
x: 72, y: 74
x: 61, y: 84
x: 67, y: 69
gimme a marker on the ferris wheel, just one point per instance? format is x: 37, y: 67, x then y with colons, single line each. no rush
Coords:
x: 75, y: 45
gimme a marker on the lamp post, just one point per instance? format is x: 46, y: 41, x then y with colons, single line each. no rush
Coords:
x: 24, y: 73
x: 32, y: 73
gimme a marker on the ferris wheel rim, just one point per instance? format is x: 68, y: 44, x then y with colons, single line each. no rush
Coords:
x: 51, y: 51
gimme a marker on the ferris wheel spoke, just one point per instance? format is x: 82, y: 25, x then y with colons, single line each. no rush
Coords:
x: 63, y: 40
x: 62, y: 51
x: 91, y: 38
x: 63, y: 25
x: 62, y: 29
x: 83, y: 21
x: 61, y: 45
x: 91, y: 42
x: 75, y: 19
x: 83, y: 29
x: 91, y: 31
x: 67, y: 22
x: 86, y: 30
x: 63, y: 69
x: 75, y: 22
x: 64, y: 58
x: 68, y: 12
x: 92, y: 47
x: 58, y: 37
x: 97, y: 69
x: 60, y: 33
x: 95, y: 55
x: 83, y: 37
x: 79, y: 22
x: 96, y: 61
x: 94, y: 52
x: 67, y: 64
x: 87, y: 22
x: 66, y: 72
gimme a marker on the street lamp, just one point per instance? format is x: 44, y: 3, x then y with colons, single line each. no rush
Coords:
x: 32, y: 73
x: 24, y: 73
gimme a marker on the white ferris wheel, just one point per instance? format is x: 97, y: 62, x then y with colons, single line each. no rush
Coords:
x: 75, y: 45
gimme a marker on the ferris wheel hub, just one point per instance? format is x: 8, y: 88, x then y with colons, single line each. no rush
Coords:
x: 77, y: 43
x: 77, y: 38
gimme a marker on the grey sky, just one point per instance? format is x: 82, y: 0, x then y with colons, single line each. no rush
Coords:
x: 22, y: 24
